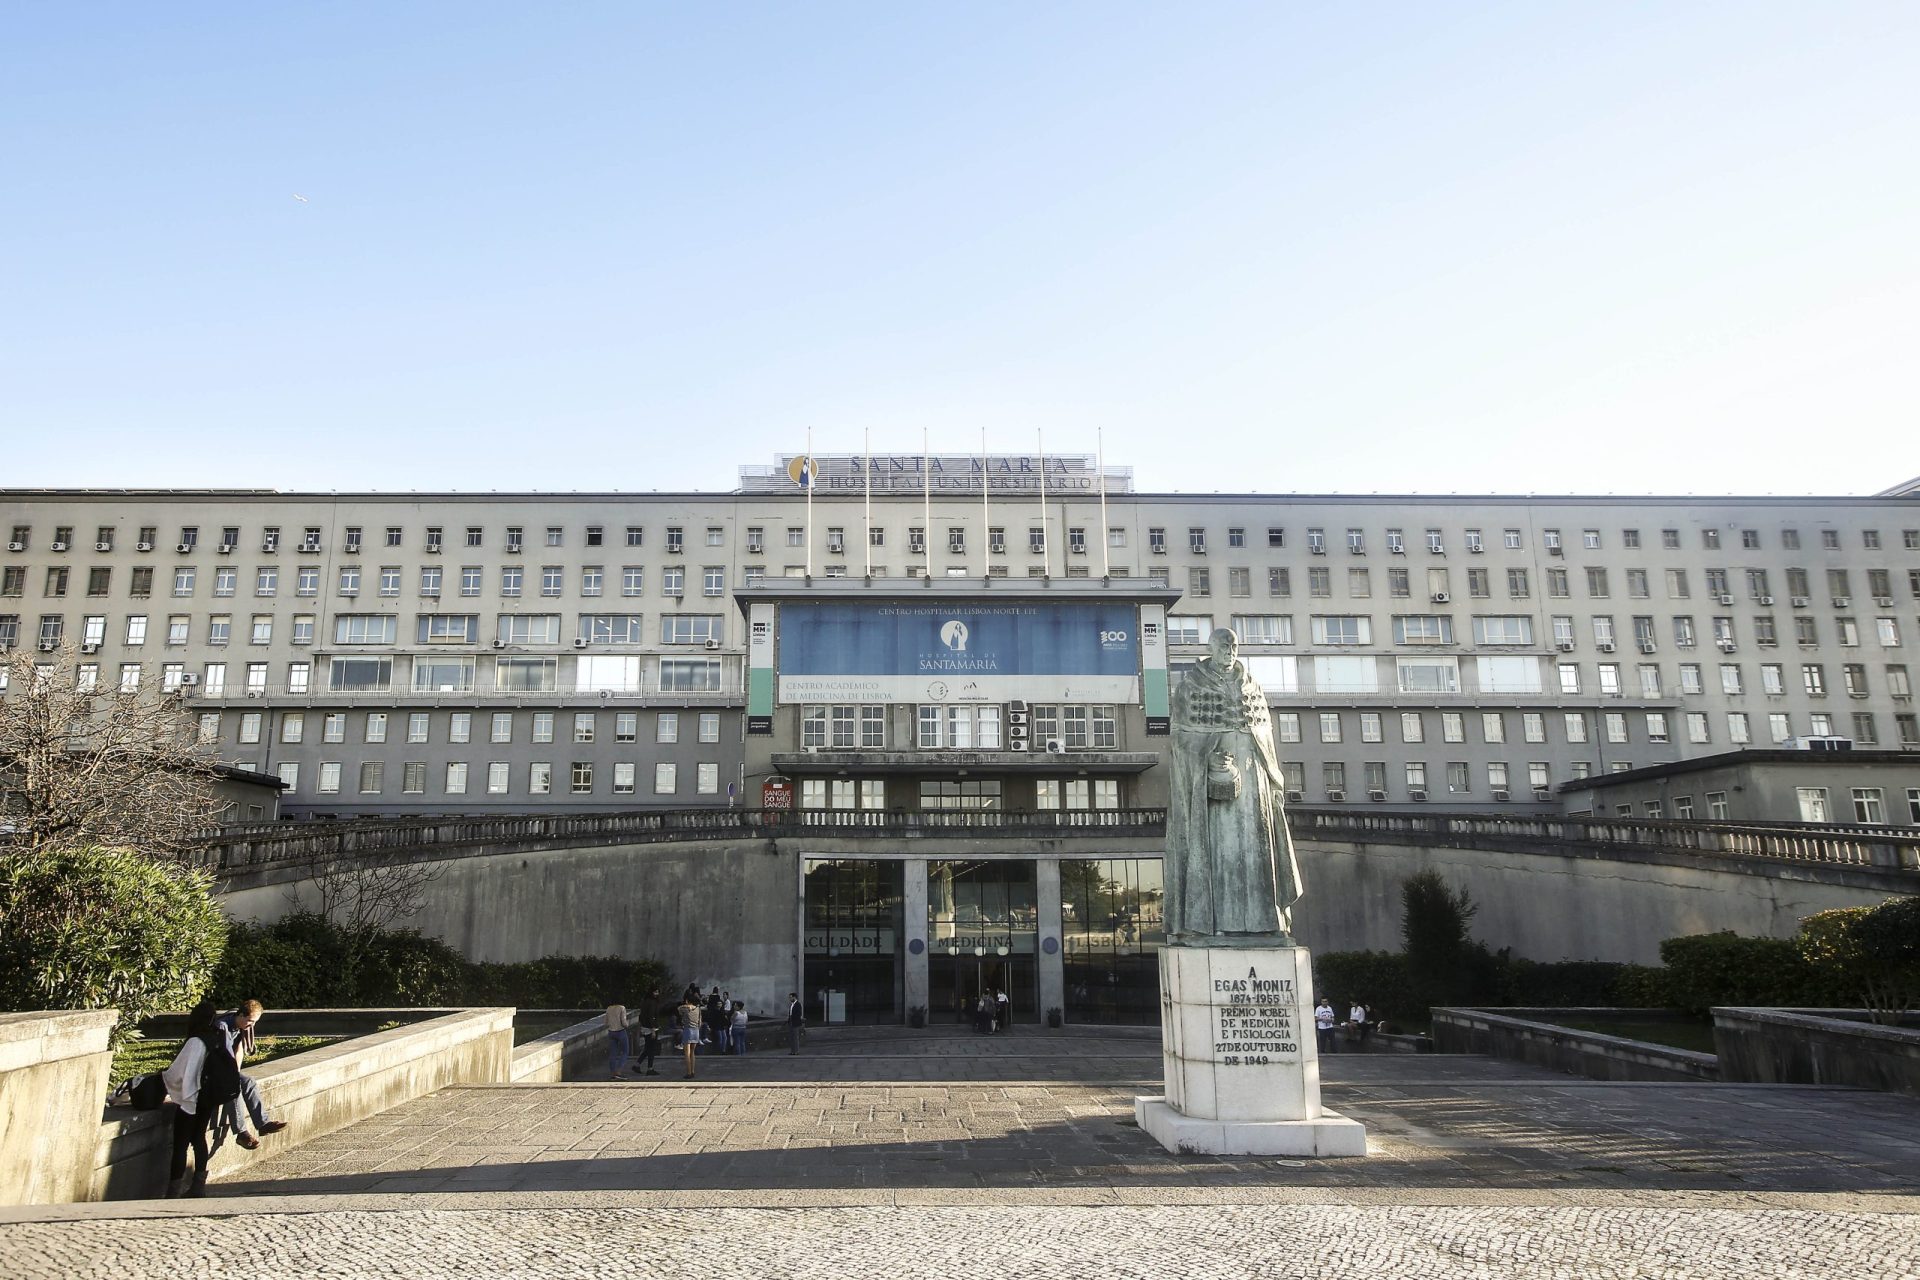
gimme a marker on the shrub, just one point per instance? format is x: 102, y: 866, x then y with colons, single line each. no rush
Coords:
x: 1726, y: 969
x: 301, y: 961
x: 1870, y: 954
x: 1434, y: 920
x: 1641, y: 986
x: 83, y: 927
x: 1378, y: 979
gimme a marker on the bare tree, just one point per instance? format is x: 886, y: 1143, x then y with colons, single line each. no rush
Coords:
x: 363, y: 897
x: 86, y: 764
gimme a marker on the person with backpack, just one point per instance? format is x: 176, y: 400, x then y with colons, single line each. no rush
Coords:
x: 202, y: 1078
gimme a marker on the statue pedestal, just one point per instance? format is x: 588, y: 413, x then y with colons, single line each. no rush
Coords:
x: 1241, y: 1066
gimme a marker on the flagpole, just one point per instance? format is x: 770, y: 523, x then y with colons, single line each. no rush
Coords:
x: 1046, y: 543
x: 1100, y: 461
x: 926, y: 489
x: 867, y: 444
x: 986, y: 511
x: 806, y: 473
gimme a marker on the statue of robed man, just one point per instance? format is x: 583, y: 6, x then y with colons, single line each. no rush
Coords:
x: 1231, y: 877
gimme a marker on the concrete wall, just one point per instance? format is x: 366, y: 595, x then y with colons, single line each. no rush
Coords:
x: 1549, y: 906
x: 53, y: 1078
x: 716, y: 913
x: 1515, y: 1035
x: 1801, y: 1046
x: 315, y: 1092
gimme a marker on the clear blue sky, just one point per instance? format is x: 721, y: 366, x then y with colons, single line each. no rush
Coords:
x: 1607, y: 247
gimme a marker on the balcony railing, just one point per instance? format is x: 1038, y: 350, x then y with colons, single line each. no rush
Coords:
x: 237, y: 848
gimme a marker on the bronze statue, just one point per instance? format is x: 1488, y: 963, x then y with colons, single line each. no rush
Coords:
x: 1231, y: 877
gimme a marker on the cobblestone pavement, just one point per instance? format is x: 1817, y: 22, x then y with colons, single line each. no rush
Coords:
x: 943, y: 1155
x: 1098, y: 1243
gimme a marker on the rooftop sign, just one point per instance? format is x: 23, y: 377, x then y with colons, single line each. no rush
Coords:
x: 849, y: 474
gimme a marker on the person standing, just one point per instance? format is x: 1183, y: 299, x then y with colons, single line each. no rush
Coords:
x: 202, y: 1078
x: 688, y: 1025
x: 1323, y: 1019
x: 796, y: 1021
x: 1003, y: 1009
x: 650, y: 1032
x: 739, y: 1028
x: 619, y: 1047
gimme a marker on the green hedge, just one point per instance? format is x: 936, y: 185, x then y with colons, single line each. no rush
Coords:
x: 1708, y: 969
x: 91, y: 928
x: 305, y: 962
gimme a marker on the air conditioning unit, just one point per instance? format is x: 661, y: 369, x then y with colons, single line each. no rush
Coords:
x: 1765, y: 599
x: 1541, y: 793
x: 1316, y: 551
x: 1605, y: 646
x: 48, y: 646
x: 1726, y: 646
x: 713, y: 644
x: 1416, y: 794
x: 499, y: 644
x: 1565, y: 646
x: 1336, y: 794
x: 228, y: 548
x: 184, y: 547
x: 59, y: 546
x: 1293, y: 797
x: 1158, y: 551
x: 1842, y: 602
x: 16, y: 546
x: 143, y: 546
x: 1502, y: 795
x: 1016, y: 744
x: 269, y: 547
x: 103, y: 546
x: 188, y: 679
x: 1798, y: 602
x: 1055, y: 747
x: 1475, y: 550
x: 432, y: 551
x: 1885, y: 602
x: 1556, y: 551
x: 1725, y: 599
x: 580, y: 642
x: 1016, y: 707
x: 1016, y: 720
x: 89, y: 648
x: 1647, y: 646
x: 1376, y: 795
x: 1441, y: 597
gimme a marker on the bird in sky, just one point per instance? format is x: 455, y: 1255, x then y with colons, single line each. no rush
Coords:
x: 302, y: 199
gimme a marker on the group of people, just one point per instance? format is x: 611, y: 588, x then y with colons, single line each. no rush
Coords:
x: 989, y: 1010
x: 715, y: 1022
x: 1327, y: 1025
x: 211, y: 1094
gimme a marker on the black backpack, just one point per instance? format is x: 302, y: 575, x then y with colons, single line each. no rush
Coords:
x: 220, y: 1077
x: 142, y: 1093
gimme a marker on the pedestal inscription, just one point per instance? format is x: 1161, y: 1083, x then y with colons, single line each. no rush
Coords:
x: 1242, y: 1074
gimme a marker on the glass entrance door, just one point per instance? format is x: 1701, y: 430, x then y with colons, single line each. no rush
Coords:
x: 982, y: 929
x: 854, y: 969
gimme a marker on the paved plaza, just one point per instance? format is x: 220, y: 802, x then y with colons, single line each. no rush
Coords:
x: 942, y: 1154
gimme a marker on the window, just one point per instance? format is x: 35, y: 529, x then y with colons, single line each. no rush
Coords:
x: 690, y: 675
x: 1509, y: 675
x: 1422, y: 628
x: 359, y: 675
x: 691, y: 628
x: 1453, y: 726
x: 1342, y: 629
x: 606, y: 673
x: 1533, y: 726
x: 1869, y: 805
x: 1199, y: 582
x: 611, y: 628
x: 552, y: 579
x: 1493, y: 726
x: 1697, y: 730
x: 1319, y: 583
x: 1514, y: 629
x: 1189, y: 628
x: 540, y: 778
x: 364, y: 628
x: 581, y: 782
x: 1813, y: 676
x: 542, y: 726
x: 1329, y: 726
x: 1279, y: 582
x: 666, y: 778
x: 872, y: 726
x: 529, y: 628
x: 456, y: 778
x: 1370, y: 728
x: 592, y: 579
x: 673, y: 581
x: 1263, y: 628
x: 1346, y: 674
x: 502, y: 727
x: 1317, y: 541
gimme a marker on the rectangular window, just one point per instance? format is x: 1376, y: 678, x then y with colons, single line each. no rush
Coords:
x: 666, y: 778
x: 359, y: 675
x: 623, y: 772
x: 526, y: 675
x: 540, y: 778
x: 581, y: 781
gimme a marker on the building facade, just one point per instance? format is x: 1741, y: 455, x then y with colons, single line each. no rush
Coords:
x: 449, y: 652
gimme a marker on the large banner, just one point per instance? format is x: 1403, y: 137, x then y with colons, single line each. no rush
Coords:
x: 909, y: 652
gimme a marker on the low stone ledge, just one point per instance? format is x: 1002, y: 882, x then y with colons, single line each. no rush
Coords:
x: 1817, y: 1046
x: 1519, y: 1036
x: 53, y: 1073
x: 315, y: 1092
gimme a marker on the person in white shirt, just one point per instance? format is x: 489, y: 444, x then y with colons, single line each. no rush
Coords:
x: 739, y: 1028
x: 1323, y: 1019
x: 1357, y: 1016
x: 202, y: 1078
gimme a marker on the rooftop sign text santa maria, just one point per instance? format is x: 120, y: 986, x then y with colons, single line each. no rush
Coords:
x: 851, y: 474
